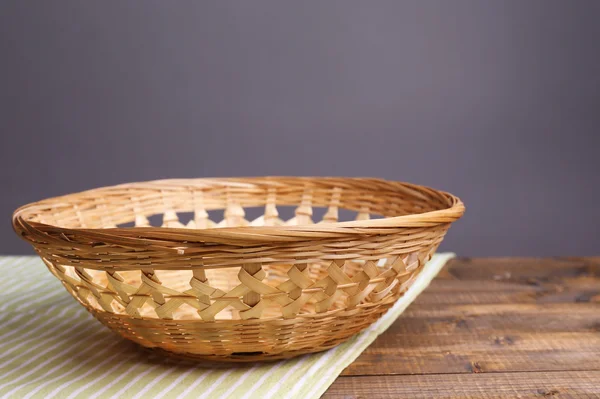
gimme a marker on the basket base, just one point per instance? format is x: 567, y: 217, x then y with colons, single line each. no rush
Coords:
x: 222, y: 361
x: 243, y: 341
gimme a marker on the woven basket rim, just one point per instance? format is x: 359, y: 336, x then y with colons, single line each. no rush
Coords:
x: 245, y: 234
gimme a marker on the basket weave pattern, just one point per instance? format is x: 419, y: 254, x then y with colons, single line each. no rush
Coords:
x: 239, y: 290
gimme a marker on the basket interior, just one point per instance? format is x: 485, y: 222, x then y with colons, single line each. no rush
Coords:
x: 204, y: 203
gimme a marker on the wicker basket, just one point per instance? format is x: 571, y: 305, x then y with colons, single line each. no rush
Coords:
x: 239, y: 290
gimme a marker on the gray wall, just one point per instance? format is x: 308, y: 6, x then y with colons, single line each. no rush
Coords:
x: 495, y: 101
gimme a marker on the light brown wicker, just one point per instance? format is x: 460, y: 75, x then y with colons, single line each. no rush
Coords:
x: 239, y: 290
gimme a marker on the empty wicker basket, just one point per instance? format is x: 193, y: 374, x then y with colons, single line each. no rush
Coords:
x: 239, y: 290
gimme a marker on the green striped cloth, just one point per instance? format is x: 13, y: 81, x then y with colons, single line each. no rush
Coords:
x: 50, y: 347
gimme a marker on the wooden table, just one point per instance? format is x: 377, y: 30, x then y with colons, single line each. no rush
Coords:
x: 490, y: 328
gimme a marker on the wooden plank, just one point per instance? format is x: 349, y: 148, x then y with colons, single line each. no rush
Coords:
x: 583, y: 292
x: 519, y: 269
x: 509, y: 280
x: 502, y: 308
x: 515, y: 281
x: 469, y: 353
x: 491, y: 319
x: 562, y: 384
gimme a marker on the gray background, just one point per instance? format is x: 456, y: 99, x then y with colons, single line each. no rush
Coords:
x: 495, y: 101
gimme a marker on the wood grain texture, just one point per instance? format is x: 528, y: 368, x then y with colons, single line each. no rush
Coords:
x: 490, y: 328
x: 561, y: 384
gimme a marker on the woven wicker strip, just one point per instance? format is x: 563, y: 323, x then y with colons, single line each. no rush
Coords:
x: 239, y: 289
